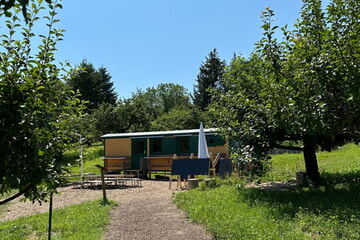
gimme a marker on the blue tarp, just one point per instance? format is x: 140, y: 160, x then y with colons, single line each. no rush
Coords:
x: 185, y: 167
x: 225, y: 167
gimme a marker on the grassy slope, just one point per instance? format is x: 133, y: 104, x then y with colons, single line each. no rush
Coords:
x: 344, y: 162
x: 92, y: 156
x: 328, y: 212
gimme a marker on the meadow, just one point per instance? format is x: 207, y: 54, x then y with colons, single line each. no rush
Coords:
x: 231, y: 211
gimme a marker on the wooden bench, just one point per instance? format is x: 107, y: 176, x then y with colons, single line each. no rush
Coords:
x: 117, y: 163
x: 159, y: 164
x: 164, y: 163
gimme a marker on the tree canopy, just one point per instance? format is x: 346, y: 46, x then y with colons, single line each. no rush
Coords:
x: 35, y: 106
x: 179, y: 118
x: 6, y: 5
x: 167, y: 96
x: 140, y: 111
x: 304, y: 88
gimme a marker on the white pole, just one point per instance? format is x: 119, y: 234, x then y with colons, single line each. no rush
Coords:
x: 81, y: 159
x: 81, y: 156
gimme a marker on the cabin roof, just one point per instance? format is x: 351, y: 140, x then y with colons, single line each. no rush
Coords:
x: 178, y: 133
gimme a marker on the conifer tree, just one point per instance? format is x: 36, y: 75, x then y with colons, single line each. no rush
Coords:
x: 95, y: 85
x: 210, y: 76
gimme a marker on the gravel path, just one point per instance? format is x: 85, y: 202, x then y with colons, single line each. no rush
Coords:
x: 145, y: 213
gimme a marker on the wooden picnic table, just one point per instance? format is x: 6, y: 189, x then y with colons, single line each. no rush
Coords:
x: 115, y: 179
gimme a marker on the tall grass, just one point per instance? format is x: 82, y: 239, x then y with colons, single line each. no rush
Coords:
x: 331, y: 211
x: 83, y: 221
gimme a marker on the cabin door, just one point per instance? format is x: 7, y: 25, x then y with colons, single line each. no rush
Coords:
x: 138, y: 151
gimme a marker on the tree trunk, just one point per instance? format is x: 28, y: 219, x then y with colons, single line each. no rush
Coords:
x: 26, y: 189
x: 311, y: 164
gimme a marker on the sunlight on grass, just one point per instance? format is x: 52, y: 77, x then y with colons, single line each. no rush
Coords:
x: 82, y: 221
x: 348, y: 157
x: 331, y: 211
x: 92, y: 156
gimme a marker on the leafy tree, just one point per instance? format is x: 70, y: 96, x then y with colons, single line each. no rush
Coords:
x: 94, y: 85
x: 140, y: 112
x: 305, y: 88
x: 143, y: 107
x: 154, y: 102
x: 167, y: 96
x: 127, y: 115
x: 5, y: 5
x: 210, y: 76
x: 104, y: 120
x: 117, y: 118
x: 179, y: 118
x: 35, y: 106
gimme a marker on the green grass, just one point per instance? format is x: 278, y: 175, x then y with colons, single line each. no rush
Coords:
x: 331, y: 211
x: 83, y: 221
x: 341, y: 163
x: 4, y: 206
x: 92, y: 156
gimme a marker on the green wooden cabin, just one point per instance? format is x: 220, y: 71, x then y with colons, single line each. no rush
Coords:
x: 138, y: 145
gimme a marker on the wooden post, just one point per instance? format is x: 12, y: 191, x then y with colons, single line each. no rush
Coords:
x: 102, y: 169
x: 212, y: 168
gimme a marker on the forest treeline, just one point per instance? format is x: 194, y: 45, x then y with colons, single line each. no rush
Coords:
x: 167, y: 106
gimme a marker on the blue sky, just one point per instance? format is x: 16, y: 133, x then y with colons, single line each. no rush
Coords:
x: 143, y: 43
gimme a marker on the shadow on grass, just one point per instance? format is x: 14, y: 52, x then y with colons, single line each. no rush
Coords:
x: 338, y: 196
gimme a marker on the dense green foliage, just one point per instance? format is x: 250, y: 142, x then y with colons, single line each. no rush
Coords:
x: 303, y: 88
x: 167, y: 96
x: 143, y: 111
x: 179, y: 118
x: 94, y: 85
x: 164, y: 107
x: 84, y: 221
x: 36, y: 106
x: 328, y: 212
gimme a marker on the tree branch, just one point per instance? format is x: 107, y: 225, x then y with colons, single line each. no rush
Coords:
x: 26, y: 189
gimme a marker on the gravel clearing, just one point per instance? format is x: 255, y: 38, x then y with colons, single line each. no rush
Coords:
x: 145, y: 213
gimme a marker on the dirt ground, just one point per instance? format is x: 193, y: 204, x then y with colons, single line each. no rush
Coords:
x: 145, y: 213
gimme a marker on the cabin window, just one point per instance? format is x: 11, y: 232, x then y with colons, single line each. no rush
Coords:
x: 156, y: 145
x: 184, y: 145
x: 210, y: 140
x: 139, y: 147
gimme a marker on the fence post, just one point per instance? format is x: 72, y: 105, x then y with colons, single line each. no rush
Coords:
x: 102, y: 169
